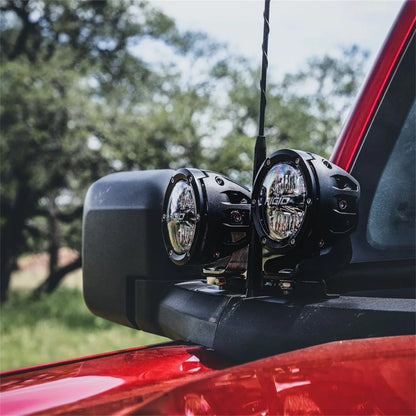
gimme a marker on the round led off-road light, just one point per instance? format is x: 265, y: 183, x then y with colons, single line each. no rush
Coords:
x: 302, y: 202
x: 205, y: 217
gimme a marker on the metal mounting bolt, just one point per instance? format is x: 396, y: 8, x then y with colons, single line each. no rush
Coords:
x: 342, y: 204
x: 219, y: 180
x: 326, y: 163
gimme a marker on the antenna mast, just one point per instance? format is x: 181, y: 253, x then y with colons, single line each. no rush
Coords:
x: 254, y: 267
x: 260, y: 148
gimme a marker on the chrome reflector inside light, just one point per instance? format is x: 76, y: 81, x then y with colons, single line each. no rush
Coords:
x: 181, y: 217
x: 284, y: 199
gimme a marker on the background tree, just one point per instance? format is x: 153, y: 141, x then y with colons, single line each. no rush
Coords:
x: 81, y: 98
x: 77, y: 100
x: 304, y: 111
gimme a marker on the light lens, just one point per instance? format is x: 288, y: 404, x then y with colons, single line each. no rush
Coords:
x: 181, y: 217
x: 284, y: 199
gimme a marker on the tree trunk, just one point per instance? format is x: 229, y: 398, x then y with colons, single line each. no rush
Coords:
x: 12, y: 238
x: 53, y: 280
x: 5, y: 270
x: 53, y: 237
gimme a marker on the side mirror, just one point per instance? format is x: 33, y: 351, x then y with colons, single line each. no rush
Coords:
x: 125, y: 266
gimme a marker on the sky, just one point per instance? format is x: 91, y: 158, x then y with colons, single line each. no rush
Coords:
x: 299, y: 29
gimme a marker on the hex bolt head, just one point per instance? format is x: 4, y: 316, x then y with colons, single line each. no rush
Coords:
x: 219, y: 180
x: 236, y: 217
x: 326, y: 163
x: 342, y: 204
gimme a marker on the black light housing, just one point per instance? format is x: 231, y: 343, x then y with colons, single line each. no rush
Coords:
x: 303, y: 206
x: 206, y: 217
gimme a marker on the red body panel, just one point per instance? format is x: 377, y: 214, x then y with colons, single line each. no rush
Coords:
x: 371, y: 376
x: 349, y: 142
x: 111, y: 382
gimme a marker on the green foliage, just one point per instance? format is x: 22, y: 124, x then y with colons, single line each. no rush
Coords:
x: 326, y: 87
x: 304, y: 111
x: 59, y: 327
x: 78, y: 102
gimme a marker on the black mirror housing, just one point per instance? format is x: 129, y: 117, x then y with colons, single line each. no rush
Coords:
x: 125, y: 265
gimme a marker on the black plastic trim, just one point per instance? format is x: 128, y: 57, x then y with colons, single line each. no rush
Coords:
x: 243, y: 329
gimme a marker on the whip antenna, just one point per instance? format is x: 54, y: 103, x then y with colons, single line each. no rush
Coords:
x: 260, y: 148
x: 254, y: 267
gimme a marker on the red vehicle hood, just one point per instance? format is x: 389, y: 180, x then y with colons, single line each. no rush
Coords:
x: 371, y: 376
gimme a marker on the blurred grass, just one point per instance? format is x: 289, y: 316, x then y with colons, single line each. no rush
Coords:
x: 58, y: 327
